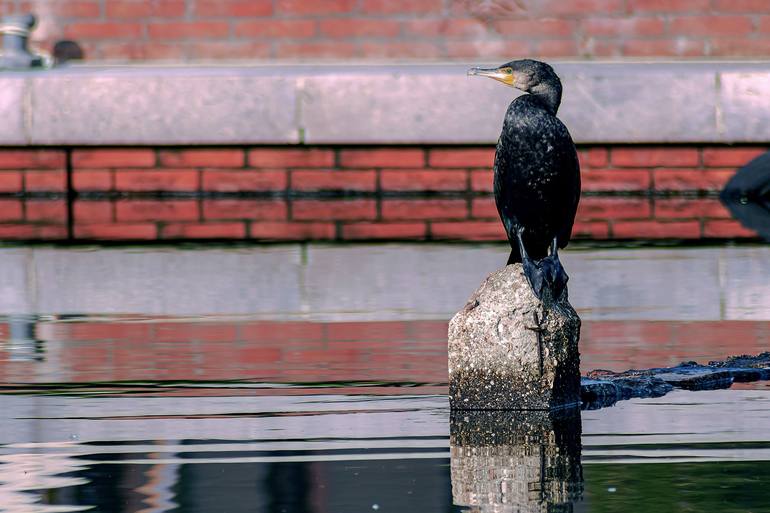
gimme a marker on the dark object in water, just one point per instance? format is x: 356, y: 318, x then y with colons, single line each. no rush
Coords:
x: 605, y: 391
x: 604, y: 388
x: 537, y: 174
x: 64, y: 51
x: 747, y: 195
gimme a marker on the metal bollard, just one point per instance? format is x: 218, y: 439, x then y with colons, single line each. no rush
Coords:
x: 15, y: 53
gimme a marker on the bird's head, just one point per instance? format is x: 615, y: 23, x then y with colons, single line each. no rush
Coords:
x: 526, y: 74
x: 533, y: 77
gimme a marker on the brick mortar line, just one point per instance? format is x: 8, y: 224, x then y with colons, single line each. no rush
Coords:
x: 70, y: 194
x: 339, y: 147
x: 309, y: 196
x: 334, y: 195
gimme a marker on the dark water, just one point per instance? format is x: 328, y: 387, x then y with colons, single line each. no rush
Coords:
x: 201, y: 415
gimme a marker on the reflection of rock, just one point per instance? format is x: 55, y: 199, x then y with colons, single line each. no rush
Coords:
x: 509, y: 350
x: 516, y: 461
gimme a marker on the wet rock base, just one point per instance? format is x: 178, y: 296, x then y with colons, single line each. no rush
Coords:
x: 508, y: 350
x: 516, y: 461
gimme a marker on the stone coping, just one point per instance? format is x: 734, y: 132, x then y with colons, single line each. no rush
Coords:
x: 628, y: 102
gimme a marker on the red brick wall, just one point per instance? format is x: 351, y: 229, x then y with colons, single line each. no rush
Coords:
x: 422, y: 29
x: 33, y: 191
x: 348, y: 193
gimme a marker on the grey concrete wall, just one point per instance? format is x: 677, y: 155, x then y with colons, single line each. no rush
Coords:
x: 373, y: 282
x: 717, y: 102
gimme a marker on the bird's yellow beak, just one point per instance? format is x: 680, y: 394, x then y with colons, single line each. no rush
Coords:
x: 504, y: 75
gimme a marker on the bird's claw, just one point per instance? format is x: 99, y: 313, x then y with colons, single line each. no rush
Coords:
x: 546, y: 275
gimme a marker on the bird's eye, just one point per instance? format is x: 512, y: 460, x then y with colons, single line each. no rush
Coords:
x: 508, y: 70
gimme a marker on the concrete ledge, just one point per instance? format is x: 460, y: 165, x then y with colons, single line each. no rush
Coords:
x: 166, y: 109
x: 13, y: 104
x: 389, y: 104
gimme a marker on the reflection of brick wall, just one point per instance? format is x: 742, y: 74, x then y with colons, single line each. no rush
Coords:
x: 308, y: 352
x: 422, y: 29
x: 348, y: 193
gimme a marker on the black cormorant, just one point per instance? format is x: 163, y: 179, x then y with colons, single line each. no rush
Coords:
x: 537, y: 175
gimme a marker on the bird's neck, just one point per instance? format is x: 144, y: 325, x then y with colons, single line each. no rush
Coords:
x: 548, y: 94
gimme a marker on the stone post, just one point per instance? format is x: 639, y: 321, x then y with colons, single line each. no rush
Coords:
x: 508, y: 350
x: 15, y: 54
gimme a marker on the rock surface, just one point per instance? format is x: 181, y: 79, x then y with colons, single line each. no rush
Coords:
x: 510, y: 351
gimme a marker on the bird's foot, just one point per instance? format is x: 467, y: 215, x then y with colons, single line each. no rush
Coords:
x: 546, y: 276
x: 535, y: 276
x: 556, y: 276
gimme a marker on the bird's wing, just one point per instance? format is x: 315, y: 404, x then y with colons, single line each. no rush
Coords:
x: 573, y: 168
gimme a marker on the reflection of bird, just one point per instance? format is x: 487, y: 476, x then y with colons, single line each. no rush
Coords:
x: 537, y: 175
x: 747, y: 195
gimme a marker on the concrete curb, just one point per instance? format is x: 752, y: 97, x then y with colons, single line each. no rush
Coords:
x: 714, y: 102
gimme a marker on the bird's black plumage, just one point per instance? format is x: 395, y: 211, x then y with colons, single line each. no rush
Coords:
x: 537, y: 177
x: 536, y: 173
